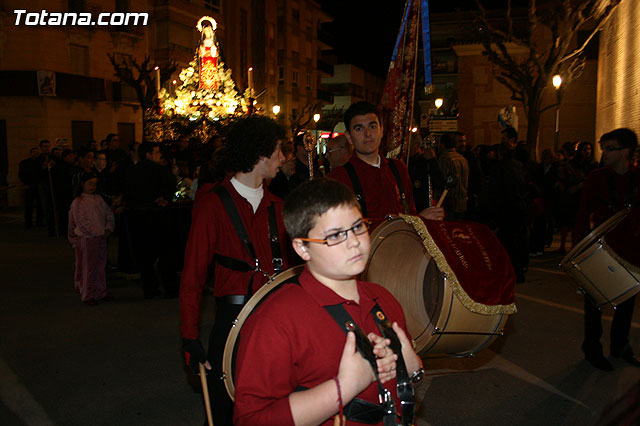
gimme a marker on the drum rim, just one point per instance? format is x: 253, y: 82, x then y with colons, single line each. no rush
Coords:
x: 593, y: 236
x: 449, y: 302
x: 245, y: 313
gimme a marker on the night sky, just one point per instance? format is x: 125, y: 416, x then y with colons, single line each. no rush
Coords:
x: 365, y: 34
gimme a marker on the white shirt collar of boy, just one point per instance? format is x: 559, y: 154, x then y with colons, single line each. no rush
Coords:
x: 378, y: 163
x: 252, y: 195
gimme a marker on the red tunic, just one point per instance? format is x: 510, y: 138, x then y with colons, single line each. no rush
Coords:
x: 379, y: 186
x: 291, y: 341
x: 599, y: 202
x: 212, y: 232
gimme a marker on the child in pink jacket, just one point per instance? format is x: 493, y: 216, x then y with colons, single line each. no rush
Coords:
x: 90, y: 223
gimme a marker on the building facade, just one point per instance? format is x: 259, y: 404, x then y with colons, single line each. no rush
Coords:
x: 57, y: 82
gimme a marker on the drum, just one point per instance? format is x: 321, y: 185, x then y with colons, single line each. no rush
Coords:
x: 228, y: 358
x: 600, y: 273
x: 439, y: 322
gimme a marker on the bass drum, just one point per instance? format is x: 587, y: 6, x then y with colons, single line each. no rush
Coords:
x: 230, y: 348
x: 598, y: 270
x: 438, y: 322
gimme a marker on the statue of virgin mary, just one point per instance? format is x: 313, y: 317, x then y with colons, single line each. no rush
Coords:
x: 207, y: 53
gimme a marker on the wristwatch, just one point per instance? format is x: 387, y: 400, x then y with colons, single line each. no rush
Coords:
x: 417, y: 375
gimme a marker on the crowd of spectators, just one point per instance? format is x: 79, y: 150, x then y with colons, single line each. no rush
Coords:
x: 525, y: 202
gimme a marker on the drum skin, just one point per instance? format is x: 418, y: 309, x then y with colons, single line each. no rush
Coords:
x: 593, y: 265
x: 228, y: 358
x: 438, y: 322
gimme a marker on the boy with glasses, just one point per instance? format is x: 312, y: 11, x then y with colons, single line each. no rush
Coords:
x: 297, y: 361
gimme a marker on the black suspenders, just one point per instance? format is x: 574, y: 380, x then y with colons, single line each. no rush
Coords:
x: 357, y: 188
x: 360, y: 410
x: 236, y: 220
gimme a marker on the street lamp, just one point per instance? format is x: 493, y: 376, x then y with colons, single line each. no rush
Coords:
x: 276, y: 110
x: 438, y: 102
x: 316, y: 118
x: 557, y: 82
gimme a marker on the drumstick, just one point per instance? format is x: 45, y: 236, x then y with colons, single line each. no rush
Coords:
x: 444, y: 194
x: 205, y: 394
x: 451, y: 182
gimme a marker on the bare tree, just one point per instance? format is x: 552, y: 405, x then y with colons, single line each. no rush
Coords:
x: 551, y: 48
x: 301, y: 119
x: 139, y: 76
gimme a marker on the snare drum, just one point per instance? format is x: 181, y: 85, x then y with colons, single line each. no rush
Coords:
x: 228, y: 358
x: 441, y: 317
x: 600, y: 273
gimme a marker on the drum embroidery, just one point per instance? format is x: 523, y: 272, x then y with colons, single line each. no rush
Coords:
x: 440, y: 260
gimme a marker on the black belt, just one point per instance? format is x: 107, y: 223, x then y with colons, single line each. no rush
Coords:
x: 232, y: 299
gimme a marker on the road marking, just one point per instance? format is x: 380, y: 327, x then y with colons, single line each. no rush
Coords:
x: 548, y: 271
x: 19, y: 400
x: 567, y: 308
x: 499, y: 363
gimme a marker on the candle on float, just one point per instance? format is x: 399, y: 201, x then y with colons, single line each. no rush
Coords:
x: 157, y: 79
x: 250, y: 72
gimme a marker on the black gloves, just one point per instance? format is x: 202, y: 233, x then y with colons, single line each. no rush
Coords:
x: 194, y: 354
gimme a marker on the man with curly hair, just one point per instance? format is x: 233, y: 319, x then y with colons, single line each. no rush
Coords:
x: 238, y: 225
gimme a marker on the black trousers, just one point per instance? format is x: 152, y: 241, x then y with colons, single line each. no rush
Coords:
x: 221, y: 403
x: 150, y: 232
x: 31, y: 200
x: 619, y: 327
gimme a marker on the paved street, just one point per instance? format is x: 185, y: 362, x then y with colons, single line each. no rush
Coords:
x: 66, y: 364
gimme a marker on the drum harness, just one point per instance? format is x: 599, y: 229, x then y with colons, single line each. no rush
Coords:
x: 241, y: 265
x: 625, y: 200
x: 357, y: 188
x: 363, y: 411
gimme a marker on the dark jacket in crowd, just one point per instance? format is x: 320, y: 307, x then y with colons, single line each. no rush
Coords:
x: 146, y: 182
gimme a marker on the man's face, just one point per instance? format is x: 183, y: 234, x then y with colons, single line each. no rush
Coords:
x: 114, y: 143
x: 155, y: 155
x: 70, y: 158
x: 45, y: 147
x: 613, y: 154
x: 289, y: 165
x: 87, y: 161
x: 509, y: 143
x: 461, y: 143
x: 34, y: 153
x: 365, y: 134
x: 337, y: 151
x: 269, y: 166
x: 101, y: 161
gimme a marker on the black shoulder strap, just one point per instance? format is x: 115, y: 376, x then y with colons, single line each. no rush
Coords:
x: 357, y: 188
x: 396, y: 174
x: 236, y: 220
x: 401, y: 193
x: 275, y: 239
x: 405, y: 389
x: 347, y: 324
x: 365, y: 348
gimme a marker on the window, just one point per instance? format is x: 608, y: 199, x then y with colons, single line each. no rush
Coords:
x: 212, y: 4
x: 76, y: 6
x: 295, y: 14
x: 79, y: 59
x: 309, y: 80
x: 294, y: 78
x: 122, y: 6
x: 81, y: 133
x: 281, y: 76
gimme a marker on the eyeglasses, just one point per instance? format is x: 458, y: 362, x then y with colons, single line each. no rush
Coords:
x: 612, y: 148
x: 341, y: 236
x: 335, y: 149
